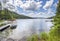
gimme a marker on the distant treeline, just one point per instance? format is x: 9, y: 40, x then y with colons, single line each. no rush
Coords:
x: 6, y: 14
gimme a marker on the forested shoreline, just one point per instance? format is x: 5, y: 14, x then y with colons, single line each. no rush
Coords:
x: 6, y: 14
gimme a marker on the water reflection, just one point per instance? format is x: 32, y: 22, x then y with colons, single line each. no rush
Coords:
x: 6, y: 33
x: 26, y: 27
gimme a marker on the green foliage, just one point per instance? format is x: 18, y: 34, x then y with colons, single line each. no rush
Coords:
x: 44, y: 36
x: 9, y: 15
x: 54, y: 34
x: 2, y: 24
x: 55, y: 31
x: 33, y: 38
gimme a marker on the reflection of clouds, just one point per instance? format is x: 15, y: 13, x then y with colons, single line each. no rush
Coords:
x: 49, y: 24
x: 26, y: 27
x: 23, y: 28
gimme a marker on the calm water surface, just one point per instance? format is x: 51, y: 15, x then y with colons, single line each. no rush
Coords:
x: 26, y: 27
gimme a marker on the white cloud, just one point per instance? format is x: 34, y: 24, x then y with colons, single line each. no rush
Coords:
x: 48, y: 4
x: 9, y: 5
x: 50, y: 12
x: 55, y: 4
x: 47, y: 14
x: 29, y: 5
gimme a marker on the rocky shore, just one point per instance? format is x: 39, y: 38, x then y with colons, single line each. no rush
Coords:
x: 10, y: 39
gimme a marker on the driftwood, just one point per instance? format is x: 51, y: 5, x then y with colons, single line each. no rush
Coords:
x: 4, y: 28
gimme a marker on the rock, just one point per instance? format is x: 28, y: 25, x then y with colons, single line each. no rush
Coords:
x: 10, y: 39
x: 13, y: 27
x: 2, y: 38
x: 23, y: 39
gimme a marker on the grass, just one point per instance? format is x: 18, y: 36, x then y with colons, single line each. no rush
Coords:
x: 1, y: 22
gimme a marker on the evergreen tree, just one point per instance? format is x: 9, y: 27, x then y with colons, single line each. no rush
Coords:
x: 55, y: 31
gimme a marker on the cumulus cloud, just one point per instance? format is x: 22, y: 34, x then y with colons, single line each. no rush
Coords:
x: 4, y: 1
x: 26, y: 5
x: 47, y: 14
x: 29, y: 5
x: 48, y: 4
x: 50, y: 12
x: 9, y: 5
x: 55, y: 4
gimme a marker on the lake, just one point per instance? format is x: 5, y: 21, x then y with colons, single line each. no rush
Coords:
x: 26, y: 27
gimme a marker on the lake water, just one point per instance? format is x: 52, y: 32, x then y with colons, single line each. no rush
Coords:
x: 26, y: 27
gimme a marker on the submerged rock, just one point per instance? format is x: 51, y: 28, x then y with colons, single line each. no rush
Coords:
x: 13, y: 27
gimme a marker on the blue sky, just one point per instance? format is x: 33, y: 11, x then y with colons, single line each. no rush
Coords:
x: 33, y: 8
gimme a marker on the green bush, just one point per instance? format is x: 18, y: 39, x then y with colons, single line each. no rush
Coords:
x: 33, y: 38
x: 42, y: 37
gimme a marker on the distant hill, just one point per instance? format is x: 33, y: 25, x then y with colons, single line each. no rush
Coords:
x: 43, y: 17
x: 50, y: 17
x: 6, y: 14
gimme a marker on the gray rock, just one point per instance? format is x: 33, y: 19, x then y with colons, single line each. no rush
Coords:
x: 2, y: 38
x: 10, y: 39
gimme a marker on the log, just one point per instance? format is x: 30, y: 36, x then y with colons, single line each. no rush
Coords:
x: 4, y: 28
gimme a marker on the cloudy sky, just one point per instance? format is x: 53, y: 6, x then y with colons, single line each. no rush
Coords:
x: 33, y: 8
